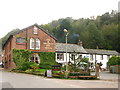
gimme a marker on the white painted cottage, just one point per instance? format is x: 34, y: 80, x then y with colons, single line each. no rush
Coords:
x: 94, y: 55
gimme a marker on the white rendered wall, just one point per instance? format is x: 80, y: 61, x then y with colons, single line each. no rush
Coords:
x: 95, y: 57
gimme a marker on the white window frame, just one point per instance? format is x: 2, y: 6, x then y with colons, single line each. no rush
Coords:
x: 35, y: 31
x: 60, y: 58
x: 33, y: 57
x: 37, y: 44
x: 38, y: 58
x: 32, y: 43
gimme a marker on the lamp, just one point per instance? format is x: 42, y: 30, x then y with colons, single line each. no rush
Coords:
x: 66, y: 31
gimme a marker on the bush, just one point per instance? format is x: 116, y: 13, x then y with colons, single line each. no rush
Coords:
x: 29, y: 71
x: 114, y: 60
x: 45, y: 66
x: 79, y: 74
x: 86, y: 60
x: 34, y: 66
x: 25, y: 66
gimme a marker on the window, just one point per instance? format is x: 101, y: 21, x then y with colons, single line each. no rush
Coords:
x: 31, y: 43
x: 37, y: 60
x: 80, y: 56
x: 20, y: 40
x: 60, y: 56
x: 101, y: 57
x: 37, y: 44
x: 91, y: 57
x: 35, y: 30
x: 36, y: 57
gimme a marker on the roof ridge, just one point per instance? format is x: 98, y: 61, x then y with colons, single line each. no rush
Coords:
x: 68, y: 43
x: 100, y: 49
x: 26, y: 29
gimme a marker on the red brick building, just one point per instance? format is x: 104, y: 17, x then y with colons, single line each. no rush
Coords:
x: 33, y: 38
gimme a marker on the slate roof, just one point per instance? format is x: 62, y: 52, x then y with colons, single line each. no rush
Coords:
x: 99, y: 51
x: 61, y: 47
x: 17, y: 32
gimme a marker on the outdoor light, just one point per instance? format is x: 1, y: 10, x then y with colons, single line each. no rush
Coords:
x: 65, y: 30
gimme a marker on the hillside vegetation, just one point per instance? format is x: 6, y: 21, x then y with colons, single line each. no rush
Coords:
x: 102, y: 32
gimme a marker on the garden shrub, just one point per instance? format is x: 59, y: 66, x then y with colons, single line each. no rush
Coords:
x: 29, y: 71
x: 86, y: 60
x: 34, y: 66
x: 79, y: 74
x: 45, y: 66
x: 114, y: 60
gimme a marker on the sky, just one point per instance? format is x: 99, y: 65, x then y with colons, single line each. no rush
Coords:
x: 22, y: 13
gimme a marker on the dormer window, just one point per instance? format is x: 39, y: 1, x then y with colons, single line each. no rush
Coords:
x: 35, y: 31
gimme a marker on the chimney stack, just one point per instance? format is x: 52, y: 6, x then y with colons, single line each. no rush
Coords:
x: 47, y: 30
x: 80, y: 43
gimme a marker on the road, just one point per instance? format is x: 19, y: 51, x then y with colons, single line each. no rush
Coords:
x: 20, y: 80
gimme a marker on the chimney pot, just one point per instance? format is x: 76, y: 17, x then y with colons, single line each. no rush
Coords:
x: 79, y: 43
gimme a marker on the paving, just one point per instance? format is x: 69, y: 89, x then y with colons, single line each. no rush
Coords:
x: 106, y: 75
x: 20, y: 80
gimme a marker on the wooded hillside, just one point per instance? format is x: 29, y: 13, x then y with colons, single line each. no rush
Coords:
x: 102, y: 32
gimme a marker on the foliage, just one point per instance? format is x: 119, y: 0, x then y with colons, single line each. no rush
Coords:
x: 47, y: 59
x: 45, y: 66
x: 21, y: 58
x: 79, y: 74
x: 102, y: 32
x: 84, y: 60
x: 77, y: 62
x: 114, y: 60
x: 34, y: 66
x: 29, y: 71
x: 7, y: 36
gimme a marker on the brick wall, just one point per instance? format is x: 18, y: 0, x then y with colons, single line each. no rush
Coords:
x: 47, y: 44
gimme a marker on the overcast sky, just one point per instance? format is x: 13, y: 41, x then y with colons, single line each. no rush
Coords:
x: 22, y: 13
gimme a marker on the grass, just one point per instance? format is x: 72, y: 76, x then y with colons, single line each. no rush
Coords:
x: 41, y: 70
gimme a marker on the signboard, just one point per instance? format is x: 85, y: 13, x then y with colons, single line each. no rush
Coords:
x: 49, y: 73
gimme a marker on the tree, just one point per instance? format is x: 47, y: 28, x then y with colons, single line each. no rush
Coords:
x: 77, y: 61
x: 93, y: 36
x: 114, y: 60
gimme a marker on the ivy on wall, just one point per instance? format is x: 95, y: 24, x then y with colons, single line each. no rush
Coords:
x: 47, y: 59
x: 21, y: 56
